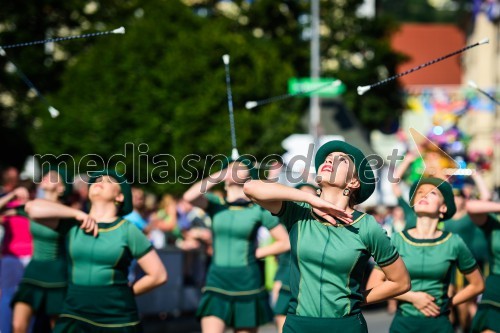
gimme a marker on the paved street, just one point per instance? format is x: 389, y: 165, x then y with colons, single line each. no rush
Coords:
x: 378, y: 322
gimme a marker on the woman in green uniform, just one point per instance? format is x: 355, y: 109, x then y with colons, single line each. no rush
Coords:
x: 485, y: 215
x: 431, y: 256
x: 332, y: 243
x: 462, y: 225
x: 43, y: 286
x: 99, y: 298
x: 282, y: 278
x: 234, y: 294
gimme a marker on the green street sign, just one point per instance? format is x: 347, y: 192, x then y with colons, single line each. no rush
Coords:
x: 322, y: 87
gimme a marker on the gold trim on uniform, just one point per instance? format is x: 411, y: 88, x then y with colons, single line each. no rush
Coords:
x: 234, y: 293
x: 426, y: 244
x: 338, y: 225
x: 45, y: 284
x: 99, y: 324
x: 112, y: 228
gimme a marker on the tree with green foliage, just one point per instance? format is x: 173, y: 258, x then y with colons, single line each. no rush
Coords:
x: 163, y: 84
x: 354, y: 49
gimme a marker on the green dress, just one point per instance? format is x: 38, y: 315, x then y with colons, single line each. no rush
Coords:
x: 327, y: 267
x: 44, y: 282
x: 430, y: 263
x: 488, y: 313
x: 234, y: 290
x: 283, y: 275
x: 99, y: 298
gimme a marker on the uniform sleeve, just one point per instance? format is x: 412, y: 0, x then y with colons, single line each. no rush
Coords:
x: 138, y: 243
x: 291, y: 212
x: 213, y: 202
x: 465, y: 260
x: 65, y: 225
x: 268, y: 220
x: 491, y: 224
x: 378, y: 243
x: 410, y: 217
x: 21, y: 212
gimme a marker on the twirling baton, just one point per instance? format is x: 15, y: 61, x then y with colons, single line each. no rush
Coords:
x: 234, y: 152
x: 120, y: 30
x: 53, y: 111
x: 363, y: 89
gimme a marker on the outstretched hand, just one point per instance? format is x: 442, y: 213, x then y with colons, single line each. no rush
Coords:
x: 88, y: 223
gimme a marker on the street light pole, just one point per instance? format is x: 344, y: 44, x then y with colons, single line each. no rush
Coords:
x: 314, y: 109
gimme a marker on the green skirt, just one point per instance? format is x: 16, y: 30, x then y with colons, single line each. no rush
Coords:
x: 351, y: 324
x: 402, y: 324
x: 235, y: 311
x: 41, y: 299
x: 283, y: 301
x: 488, y: 311
x: 106, y: 309
x: 239, y: 302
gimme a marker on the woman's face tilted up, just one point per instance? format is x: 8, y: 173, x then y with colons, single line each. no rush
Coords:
x: 336, y: 171
x: 428, y: 201
x: 105, y: 188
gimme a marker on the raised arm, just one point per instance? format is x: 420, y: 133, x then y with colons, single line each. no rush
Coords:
x: 400, y: 171
x: 484, y: 192
x: 479, y: 210
x: 194, y: 194
x: 45, y: 212
x: 270, y: 196
x: 20, y: 193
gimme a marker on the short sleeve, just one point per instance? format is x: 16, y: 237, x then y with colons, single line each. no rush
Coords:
x: 378, y: 243
x: 65, y: 225
x: 410, y: 216
x: 465, y: 260
x: 291, y: 212
x: 491, y: 224
x: 268, y: 220
x: 138, y: 243
x: 21, y: 212
x: 214, y: 201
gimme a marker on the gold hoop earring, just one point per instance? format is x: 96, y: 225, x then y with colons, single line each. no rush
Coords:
x: 346, y: 192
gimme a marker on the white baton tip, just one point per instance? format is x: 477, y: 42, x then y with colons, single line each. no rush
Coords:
x: 251, y: 104
x: 336, y: 83
x: 484, y: 41
x: 120, y: 30
x: 225, y: 58
x: 472, y: 84
x: 362, y: 90
x: 53, y: 112
x: 234, y: 154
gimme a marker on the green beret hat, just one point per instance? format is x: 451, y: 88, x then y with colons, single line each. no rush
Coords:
x: 126, y: 207
x: 363, y: 169
x: 68, y: 187
x: 446, y: 191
